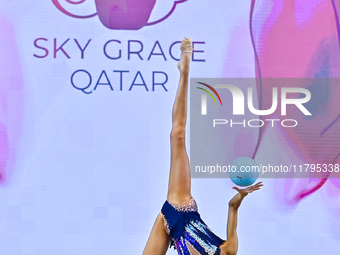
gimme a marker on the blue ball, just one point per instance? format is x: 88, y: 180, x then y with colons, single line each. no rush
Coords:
x: 243, y: 171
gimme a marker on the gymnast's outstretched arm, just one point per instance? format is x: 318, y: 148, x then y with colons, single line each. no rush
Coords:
x: 230, y: 246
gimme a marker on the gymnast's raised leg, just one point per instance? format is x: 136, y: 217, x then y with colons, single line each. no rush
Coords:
x: 179, y: 180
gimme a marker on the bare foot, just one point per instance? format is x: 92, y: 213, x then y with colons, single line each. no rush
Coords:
x: 184, y: 63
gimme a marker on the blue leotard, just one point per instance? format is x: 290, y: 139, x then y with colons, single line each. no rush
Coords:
x: 188, y: 232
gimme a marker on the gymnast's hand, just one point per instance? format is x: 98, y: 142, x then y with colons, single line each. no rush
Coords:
x: 249, y: 189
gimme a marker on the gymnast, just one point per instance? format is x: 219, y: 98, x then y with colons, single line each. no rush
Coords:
x: 179, y: 223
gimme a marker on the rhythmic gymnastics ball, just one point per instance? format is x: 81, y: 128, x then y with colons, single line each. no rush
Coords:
x: 243, y: 171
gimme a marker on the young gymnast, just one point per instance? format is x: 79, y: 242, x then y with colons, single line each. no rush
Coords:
x: 179, y: 223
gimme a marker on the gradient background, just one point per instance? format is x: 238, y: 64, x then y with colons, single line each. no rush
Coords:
x: 87, y: 174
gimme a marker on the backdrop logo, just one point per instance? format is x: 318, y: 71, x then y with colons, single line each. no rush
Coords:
x: 120, y: 14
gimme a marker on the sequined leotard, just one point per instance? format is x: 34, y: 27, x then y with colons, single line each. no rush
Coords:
x: 189, y: 234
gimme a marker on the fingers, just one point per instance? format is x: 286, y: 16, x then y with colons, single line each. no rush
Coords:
x: 236, y: 189
x: 257, y: 186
